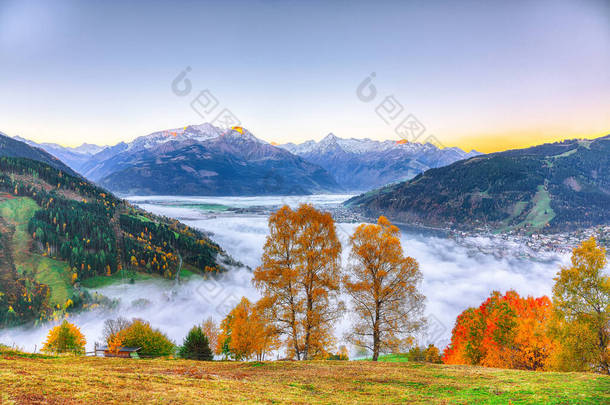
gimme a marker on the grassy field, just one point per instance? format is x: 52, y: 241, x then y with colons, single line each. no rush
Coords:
x: 394, y: 358
x: 18, y: 211
x: 69, y: 380
x: 123, y: 276
x: 542, y: 213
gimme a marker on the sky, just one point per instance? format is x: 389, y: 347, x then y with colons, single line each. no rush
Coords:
x: 484, y: 75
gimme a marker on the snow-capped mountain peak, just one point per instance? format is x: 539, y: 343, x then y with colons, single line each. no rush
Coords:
x: 241, y: 134
x: 361, y: 164
x: 330, y: 138
x: 89, y: 148
x: 197, y: 133
x: 351, y: 145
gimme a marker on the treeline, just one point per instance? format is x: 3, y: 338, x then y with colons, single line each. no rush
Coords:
x: 154, y: 246
x: 570, y: 332
x: 71, y: 230
x: 77, y: 232
x: 56, y: 178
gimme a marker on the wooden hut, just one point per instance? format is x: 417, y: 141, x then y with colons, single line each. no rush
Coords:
x: 123, y: 351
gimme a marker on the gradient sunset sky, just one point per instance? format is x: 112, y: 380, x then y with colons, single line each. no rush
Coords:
x: 485, y: 75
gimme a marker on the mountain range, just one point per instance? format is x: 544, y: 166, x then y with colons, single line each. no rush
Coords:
x: 363, y: 164
x: 234, y: 163
x: 556, y: 186
x: 206, y: 160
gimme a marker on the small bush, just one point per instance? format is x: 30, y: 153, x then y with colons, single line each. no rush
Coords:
x: 416, y: 354
x: 152, y: 342
x: 431, y: 354
x: 196, y: 346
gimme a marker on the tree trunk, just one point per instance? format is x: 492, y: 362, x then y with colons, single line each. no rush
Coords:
x: 308, y: 329
x: 308, y: 322
x: 603, y: 345
x: 293, y: 321
x: 295, y: 339
x: 376, y: 334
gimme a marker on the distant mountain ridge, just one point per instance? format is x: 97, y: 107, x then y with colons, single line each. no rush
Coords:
x: 73, y: 157
x: 363, y: 164
x: 201, y: 160
x: 556, y: 186
x: 11, y: 147
x: 235, y: 163
x: 207, y: 160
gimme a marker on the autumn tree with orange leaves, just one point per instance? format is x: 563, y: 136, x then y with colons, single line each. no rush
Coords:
x: 505, y: 331
x: 382, y: 283
x: 299, y: 279
x: 245, y: 334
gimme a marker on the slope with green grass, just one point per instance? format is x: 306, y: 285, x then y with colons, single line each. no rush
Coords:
x: 54, y: 273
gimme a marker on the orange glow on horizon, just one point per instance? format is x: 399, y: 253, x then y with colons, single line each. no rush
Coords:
x: 502, y: 142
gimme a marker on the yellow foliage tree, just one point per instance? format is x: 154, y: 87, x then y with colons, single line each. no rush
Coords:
x: 299, y: 279
x: 581, y: 298
x: 245, y: 334
x: 432, y: 354
x: 65, y: 338
x: 139, y: 333
x: 382, y: 283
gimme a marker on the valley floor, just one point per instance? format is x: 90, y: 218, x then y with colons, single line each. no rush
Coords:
x: 69, y: 380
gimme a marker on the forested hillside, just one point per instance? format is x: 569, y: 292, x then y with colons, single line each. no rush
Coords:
x: 558, y: 186
x: 60, y: 230
x: 14, y: 148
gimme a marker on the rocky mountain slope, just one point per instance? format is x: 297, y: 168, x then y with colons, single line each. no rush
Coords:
x: 363, y: 164
x: 232, y: 163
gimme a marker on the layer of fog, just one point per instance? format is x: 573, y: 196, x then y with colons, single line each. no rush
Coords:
x: 455, y: 276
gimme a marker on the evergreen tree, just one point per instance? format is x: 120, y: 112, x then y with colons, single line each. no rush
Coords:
x: 196, y: 346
